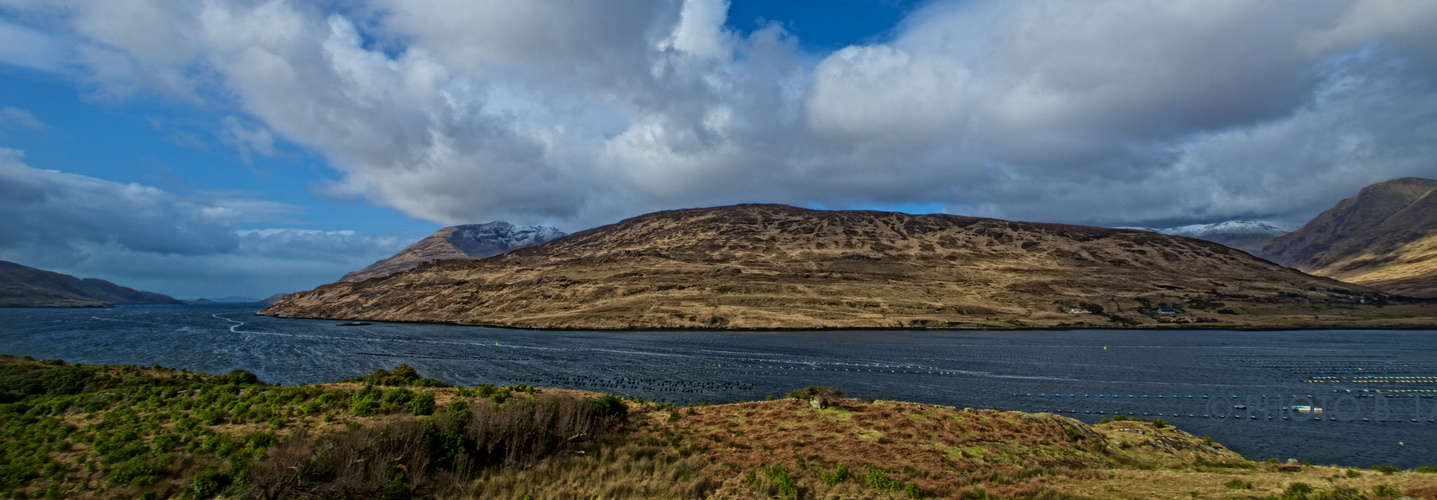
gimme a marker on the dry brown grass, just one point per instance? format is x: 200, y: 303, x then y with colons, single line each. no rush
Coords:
x: 765, y: 266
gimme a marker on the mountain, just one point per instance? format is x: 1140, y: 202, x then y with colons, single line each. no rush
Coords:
x: 469, y: 241
x: 776, y: 266
x: 1385, y: 237
x: 236, y: 299
x: 1246, y: 235
x: 22, y: 286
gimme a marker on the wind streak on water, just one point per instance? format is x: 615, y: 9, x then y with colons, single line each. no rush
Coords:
x: 1009, y: 370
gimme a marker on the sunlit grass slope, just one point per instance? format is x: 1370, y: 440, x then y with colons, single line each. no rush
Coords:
x: 86, y: 431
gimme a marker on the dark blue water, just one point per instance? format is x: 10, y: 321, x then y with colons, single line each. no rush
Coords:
x: 1084, y: 374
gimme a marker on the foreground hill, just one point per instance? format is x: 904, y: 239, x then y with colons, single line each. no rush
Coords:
x: 469, y: 241
x: 91, y: 431
x: 22, y: 286
x: 775, y: 266
x: 1385, y: 237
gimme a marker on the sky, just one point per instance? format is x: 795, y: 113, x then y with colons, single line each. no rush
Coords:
x: 250, y: 147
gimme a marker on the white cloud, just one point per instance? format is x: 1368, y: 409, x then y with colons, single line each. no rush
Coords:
x: 248, y: 141
x: 12, y: 117
x: 28, y: 48
x: 579, y: 113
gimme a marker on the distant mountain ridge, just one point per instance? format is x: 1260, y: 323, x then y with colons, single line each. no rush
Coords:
x: 777, y: 266
x: 23, y: 286
x: 1246, y: 235
x: 1385, y: 237
x: 468, y: 241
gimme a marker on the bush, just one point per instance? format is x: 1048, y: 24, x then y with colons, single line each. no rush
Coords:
x: 610, y: 406
x: 209, y: 482
x: 1387, y: 490
x: 1238, y: 484
x: 777, y: 482
x: 453, y: 444
x: 812, y: 391
x: 137, y: 471
x: 240, y: 377
x: 421, y: 404
x: 398, y: 398
x: 839, y: 474
x: 879, y: 480
x: 1386, y: 469
x: 402, y: 375
x: 365, y: 402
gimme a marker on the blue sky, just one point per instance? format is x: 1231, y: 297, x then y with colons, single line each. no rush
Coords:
x: 250, y: 147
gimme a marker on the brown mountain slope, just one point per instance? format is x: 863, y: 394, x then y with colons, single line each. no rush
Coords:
x: 1386, y: 237
x: 22, y: 286
x: 468, y: 241
x: 774, y: 266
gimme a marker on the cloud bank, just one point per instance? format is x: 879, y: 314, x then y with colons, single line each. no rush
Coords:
x: 581, y: 113
x: 143, y: 237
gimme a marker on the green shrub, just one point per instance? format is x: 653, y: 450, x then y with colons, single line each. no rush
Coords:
x: 396, y: 489
x: 1387, y: 490
x: 421, y: 404
x: 209, y: 482
x: 137, y: 471
x: 240, y: 377
x: 1386, y: 469
x: 610, y: 406
x: 1295, y: 491
x: 398, y: 398
x: 1238, y: 484
x: 402, y: 375
x: 310, y: 408
x: 879, y: 480
x: 778, y: 482
x: 839, y: 474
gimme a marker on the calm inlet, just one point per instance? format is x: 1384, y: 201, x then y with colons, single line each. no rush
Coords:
x: 1256, y: 392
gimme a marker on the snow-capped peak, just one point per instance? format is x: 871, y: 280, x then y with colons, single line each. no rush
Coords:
x: 1232, y: 228
x: 499, y: 236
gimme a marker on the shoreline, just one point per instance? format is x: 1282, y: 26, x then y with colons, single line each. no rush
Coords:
x: 1160, y: 326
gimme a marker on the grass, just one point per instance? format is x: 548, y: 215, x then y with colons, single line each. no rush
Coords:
x: 83, y: 431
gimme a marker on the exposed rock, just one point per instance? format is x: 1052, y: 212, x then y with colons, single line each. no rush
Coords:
x: 469, y: 241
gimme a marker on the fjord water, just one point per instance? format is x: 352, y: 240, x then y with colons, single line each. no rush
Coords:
x: 1083, y: 374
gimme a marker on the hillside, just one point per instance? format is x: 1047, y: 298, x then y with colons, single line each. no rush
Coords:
x: 1385, y: 237
x: 775, y: 266
x: 22, y: 286
x: 469, y: 241
x: 96, y: 431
